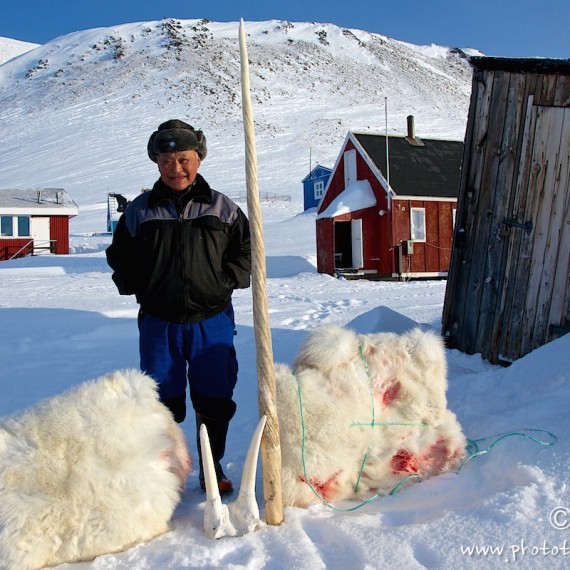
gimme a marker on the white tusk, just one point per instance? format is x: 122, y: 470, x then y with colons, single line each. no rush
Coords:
x: 244, y: 511
x: 250, y: 468
x: 212, y: 491
x: 216, y: 515
x: 241, y: 516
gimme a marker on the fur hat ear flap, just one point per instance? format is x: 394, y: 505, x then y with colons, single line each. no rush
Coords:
x: 175, y: 136
x: 327, y: 348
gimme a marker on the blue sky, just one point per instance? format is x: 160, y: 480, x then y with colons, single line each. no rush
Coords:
x: 507, y: 28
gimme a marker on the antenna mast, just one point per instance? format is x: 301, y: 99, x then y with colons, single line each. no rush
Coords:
x: 387, y: 151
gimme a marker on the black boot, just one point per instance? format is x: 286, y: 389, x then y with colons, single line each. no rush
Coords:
x: 217, y: 433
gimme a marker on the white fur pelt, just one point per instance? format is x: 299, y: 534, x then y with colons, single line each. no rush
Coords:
x: 90, y: 471
x: 363, y: 413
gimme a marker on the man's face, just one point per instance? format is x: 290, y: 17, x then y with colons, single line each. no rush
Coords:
x: 178, y: 169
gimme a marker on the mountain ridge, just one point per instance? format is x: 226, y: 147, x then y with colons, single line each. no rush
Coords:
x: 100, y: 93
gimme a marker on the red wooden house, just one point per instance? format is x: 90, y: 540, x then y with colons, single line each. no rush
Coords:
x: 34, y: 221
x: 389, y: 207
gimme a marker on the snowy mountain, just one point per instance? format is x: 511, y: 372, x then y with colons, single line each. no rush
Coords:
x: 12, y: 48
x: 311, y: 83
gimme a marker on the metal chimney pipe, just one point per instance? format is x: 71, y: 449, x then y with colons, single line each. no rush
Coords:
x: 411, y: 138
x: 411, y: 127
x: 39, y: 196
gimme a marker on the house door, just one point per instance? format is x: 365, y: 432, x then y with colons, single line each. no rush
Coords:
x: 349, y: 167
x: 342, y: 245
x: 40, y: 235
x: 348, y: 251
x: 356, y: 242
x: 535, y: 292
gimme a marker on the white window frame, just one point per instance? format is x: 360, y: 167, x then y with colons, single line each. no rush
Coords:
x: 319, y: 189
x: 16, y: 227
x: 418, y: 226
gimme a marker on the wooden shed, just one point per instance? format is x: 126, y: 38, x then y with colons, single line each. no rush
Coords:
x: 34, y: 221
x: 389, y: 207
x: 508, y: 290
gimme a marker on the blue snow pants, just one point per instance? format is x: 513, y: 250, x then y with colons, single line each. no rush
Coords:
x: 201, y: 354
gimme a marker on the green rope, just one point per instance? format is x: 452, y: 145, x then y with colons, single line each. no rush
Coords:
x: 373, y: 424
x: 473, y: 450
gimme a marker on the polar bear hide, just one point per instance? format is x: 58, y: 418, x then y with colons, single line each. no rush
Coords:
x: 363, y: 414
x: 91, y: 471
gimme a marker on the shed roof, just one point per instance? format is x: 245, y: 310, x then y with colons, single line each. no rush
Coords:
x: 522, y: 65
x: 37, y: 201
x: 431, y: 170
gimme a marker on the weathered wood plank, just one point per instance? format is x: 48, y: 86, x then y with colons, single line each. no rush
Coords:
x: 527, y: 213
x: 474, y: 155
x: 558, y: 250
x: 451, y: 308
x: 507, y: 318
x: 502, y: 191
x: 545, y: 97
x: 560, y: 307
x: 562, y: 92
x: 546, y: 145
x: 485, y: 200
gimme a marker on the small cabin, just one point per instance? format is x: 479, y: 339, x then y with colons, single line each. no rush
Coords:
x: 314, y: 185
x: 35, y: 221
x: 389, y: 207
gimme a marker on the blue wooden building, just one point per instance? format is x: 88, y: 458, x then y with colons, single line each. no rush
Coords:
x: 314, y: 185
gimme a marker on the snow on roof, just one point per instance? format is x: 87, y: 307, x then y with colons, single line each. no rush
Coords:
x: 40, y: 201
x: 356, y: 196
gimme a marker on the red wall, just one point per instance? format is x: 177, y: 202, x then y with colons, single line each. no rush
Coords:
x: 434, y: 255
x: 9, y: 247
x: 325, y: 246
x: 59, y: 231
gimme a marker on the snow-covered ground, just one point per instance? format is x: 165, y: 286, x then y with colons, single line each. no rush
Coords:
x: 62, y: 322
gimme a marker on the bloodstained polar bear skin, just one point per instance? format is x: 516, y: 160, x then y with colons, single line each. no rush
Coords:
x: 360, y: 414
x: 93, y: 470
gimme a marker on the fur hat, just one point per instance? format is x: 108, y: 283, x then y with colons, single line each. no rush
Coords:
x: 175, y: 136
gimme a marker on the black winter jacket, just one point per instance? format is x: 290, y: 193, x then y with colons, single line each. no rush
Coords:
x: 181, y: 254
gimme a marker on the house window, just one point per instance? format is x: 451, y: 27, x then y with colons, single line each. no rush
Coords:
x: 23, y: 226
x: 14, y: 226
x: 6, y: 226
x: 319, y: 189
x: 418, y: 224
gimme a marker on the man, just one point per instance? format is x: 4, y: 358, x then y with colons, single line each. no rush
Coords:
x: 182, y: 249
